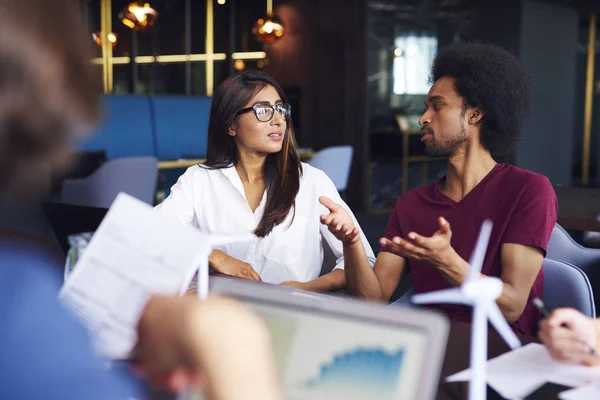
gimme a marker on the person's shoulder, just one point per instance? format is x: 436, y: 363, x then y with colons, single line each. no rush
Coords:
x: 199, y: 170
x: 524, y: 177
x: 311, y: 173
x: 46, y: 329
x: 21, y: 249
x: 315, y: 181
x: 25, y: 260
x: 199, y: 173
x: 313, y: 177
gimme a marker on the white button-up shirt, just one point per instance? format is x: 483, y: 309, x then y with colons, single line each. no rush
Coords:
x: 214, y: 201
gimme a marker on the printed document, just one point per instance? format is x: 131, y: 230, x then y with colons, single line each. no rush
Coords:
x: 517, y: 373
x: 134, y: 253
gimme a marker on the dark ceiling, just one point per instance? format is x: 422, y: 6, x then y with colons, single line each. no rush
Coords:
x: 386, y: 16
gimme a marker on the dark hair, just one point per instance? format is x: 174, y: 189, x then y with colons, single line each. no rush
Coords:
x: 492, y: 79
x: 282, y: 170
x: 49, y: 91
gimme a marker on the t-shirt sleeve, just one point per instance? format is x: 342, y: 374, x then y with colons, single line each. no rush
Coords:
x: 46, y: 354
x: 534, y: 215
x: 393, y: 228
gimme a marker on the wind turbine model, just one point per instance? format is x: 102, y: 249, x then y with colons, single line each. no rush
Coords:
x: 480, y: 292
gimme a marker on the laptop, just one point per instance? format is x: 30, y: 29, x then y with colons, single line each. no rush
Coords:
x: 69, y: 219
x: 331, y: 348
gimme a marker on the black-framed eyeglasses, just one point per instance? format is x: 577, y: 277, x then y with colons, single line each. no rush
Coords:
x: 264, y: 112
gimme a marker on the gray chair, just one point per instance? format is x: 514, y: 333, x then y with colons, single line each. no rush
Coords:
x: 335, y: 162
x: 562, y: 247
x: 404, y: 299
x: 405, y: 289
x: 565, y: 285
x: 136, y: 176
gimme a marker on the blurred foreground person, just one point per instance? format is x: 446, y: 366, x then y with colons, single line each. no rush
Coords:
x: 49, y: 100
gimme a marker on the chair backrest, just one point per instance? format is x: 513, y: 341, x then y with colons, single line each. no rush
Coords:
x: 181, y: 126
x: 565, y: 285
x: 562, y: 247
x: 136, y: 176
x: 335, y: 162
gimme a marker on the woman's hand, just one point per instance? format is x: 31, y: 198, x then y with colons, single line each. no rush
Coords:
x: 228, y: 265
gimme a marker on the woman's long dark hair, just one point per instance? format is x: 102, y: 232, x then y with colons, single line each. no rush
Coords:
x: 282, y: 170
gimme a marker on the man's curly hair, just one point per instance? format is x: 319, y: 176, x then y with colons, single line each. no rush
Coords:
x: 494, y: 80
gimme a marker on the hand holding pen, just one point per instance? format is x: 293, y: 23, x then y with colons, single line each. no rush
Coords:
x: 568, y: 335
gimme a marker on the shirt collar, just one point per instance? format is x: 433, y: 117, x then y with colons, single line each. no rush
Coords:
x: 231, y: 173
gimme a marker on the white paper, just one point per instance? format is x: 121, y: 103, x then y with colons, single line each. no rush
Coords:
x: 517, y: 373
x: 134, y: 253
x: 583, y: 393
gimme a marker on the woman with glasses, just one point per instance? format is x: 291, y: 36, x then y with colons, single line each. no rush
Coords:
x: 253, y: 181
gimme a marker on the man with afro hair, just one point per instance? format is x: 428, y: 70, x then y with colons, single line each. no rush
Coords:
x: 475, y: 109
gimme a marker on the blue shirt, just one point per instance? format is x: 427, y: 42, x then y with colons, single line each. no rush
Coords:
x: 44, y: 352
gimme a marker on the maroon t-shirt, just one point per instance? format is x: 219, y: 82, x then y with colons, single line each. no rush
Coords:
x: 523, y: 208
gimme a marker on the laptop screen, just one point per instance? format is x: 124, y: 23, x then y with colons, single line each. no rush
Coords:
x: 331, y: 356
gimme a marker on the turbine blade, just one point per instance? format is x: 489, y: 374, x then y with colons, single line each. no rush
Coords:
x: 478, y: 256
x: 499, y: 322
x: 452, y: 296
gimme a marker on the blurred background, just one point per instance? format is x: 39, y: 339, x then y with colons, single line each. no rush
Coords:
x: 356, y: 73
x: 352, y: 67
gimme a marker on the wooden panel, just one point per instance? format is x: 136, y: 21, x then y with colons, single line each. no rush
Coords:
x: 324, y: 54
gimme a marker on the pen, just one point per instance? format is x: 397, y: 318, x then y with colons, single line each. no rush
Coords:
x: 539, y: 304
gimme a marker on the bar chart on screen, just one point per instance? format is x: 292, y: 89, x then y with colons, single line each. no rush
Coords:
x: 339, y: 360
x: 359, y: 373
x: 320, y: 356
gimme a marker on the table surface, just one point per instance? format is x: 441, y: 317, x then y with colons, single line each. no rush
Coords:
x: 457, y: 359
x: 185, y: 163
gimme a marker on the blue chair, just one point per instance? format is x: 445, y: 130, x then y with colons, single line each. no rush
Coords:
x: 565, y: 285
x: 136, y: 176
x: 335, y: 162
x: 127, y: 129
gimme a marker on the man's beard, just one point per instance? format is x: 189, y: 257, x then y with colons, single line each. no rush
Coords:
x: 434, y: 148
